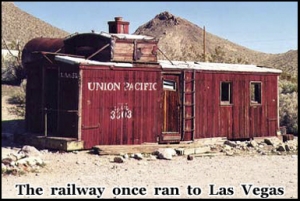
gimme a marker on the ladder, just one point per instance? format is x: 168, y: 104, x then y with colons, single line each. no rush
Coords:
x: 188, y: 103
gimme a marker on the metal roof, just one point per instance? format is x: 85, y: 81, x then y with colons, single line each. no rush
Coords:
x: 126, y: 36
x: 215, y: 66
x: 165, y: 64
x: 74, y: 60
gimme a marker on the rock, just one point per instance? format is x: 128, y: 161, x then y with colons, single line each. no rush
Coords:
x: 125, y: 156
x: 166, y: 153
x: 16, y: 156
x: 31, y: 161
x: 229, y: 153
x: 119, y: 159
x: 287, y: 137
x: 190, y: 157
x: 3, y: 168
x: 30, y: 151
x: 272, y: 141
x: 138, y: 156
x: 243, y: 144
x: 280, y: 148
x: 253, y: 143
x: 274, y: 150
x: 226, y: 148
x: 6, y: 161
x: 230, y: 143
x: 180, y: 151
x: 287, y: 147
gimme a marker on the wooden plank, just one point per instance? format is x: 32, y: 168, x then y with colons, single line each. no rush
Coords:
x: 144, y: 148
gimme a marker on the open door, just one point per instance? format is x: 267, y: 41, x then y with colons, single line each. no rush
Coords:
x: 171, y: 109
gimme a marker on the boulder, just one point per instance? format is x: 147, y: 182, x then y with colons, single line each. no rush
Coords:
x: 138, y: 156
x: 6, y: 161
x: 31, y: 161
x: 272, y: 141
x: 230, y: 143
x: 281, y: 148
x: 190, y: 157
x: 30, y: 151
x: 287, y: 137
x: 119, y: 159
x: 229, y: 153
x: 180, y: 151
x: 166, y: 153
x: 253, y: 143
x: 3, y: 168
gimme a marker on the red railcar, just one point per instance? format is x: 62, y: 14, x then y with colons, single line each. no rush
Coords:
x: 110, y: 89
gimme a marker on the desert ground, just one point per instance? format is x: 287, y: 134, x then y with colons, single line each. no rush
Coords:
x: 83, y: 174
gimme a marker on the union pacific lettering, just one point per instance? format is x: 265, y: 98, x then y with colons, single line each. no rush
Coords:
x: 126, y: 86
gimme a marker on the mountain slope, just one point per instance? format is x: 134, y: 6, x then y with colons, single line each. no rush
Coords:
x: 21, y: 26
x: 180, y: 39
x: 288, y: 62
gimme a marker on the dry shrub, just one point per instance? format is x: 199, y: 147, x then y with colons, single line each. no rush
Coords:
x: 288, y: 106
x: 18, y: 98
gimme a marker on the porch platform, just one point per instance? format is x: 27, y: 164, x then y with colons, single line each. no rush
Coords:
x: 152, y: 147
x: 49, y: 142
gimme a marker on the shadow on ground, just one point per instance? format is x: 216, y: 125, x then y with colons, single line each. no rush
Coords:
x: 10, y: 129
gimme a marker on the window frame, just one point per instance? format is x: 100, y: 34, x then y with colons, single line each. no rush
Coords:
x: 253, y: 94
x: 229, y: 93
x: 174, y: 86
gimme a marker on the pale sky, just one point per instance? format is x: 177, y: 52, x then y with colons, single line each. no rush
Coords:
x: 270, y: 27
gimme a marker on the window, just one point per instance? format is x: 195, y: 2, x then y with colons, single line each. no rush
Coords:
x: 169, y: 85
x: 226, y: 93
x: 255, y: 91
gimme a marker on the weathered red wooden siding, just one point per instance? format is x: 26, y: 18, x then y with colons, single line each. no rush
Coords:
x: 240, y: 119
x: 101, y: 121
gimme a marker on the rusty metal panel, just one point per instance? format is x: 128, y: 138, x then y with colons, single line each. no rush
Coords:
x: 40, y: 44
x: 87, y: 44
x: 120, y: 106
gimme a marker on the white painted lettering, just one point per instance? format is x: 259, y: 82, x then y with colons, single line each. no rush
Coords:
x: 121, y: 112
x: 154, y: 86
x: 127, y: 86
x: 90, y: 84
x: 69, y: 75
x: 137, y: 86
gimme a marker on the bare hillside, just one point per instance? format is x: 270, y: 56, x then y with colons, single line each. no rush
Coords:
x: 288, y: 62
x: 178, y: 38
x: 19, y: 25
x: 183, y: 40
